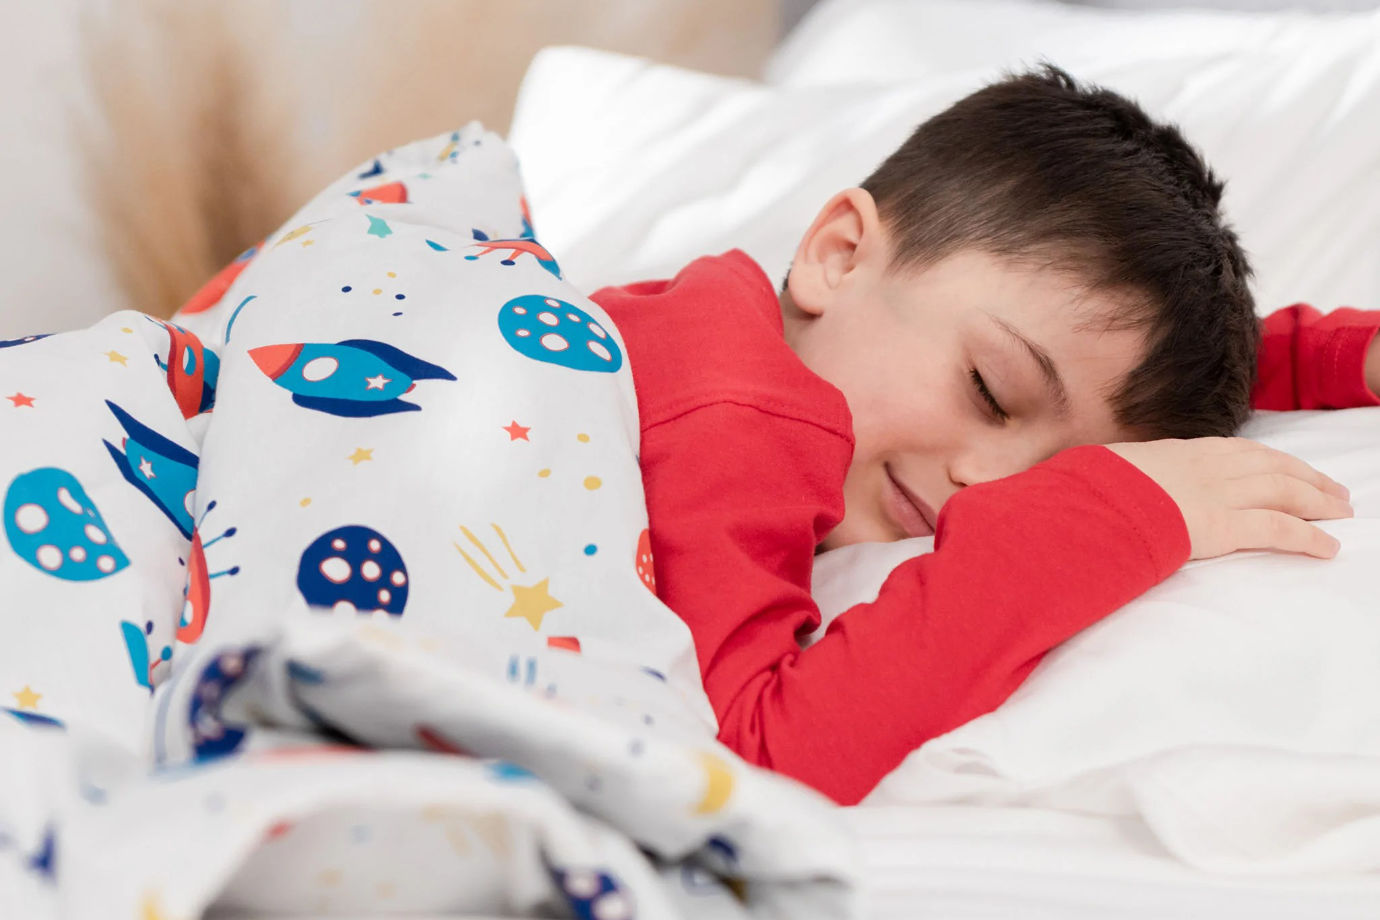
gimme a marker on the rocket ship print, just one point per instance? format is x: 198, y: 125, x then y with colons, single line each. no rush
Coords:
x: 163, y: 471
x: 514, y: 248
x: 354, y: 378
x: 192, y: 370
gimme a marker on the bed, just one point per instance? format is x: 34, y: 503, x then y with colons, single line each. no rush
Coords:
x: 1210, y: 750
x: 1188, y: 756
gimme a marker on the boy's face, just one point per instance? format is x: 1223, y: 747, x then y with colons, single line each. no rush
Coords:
x: 904, y: 349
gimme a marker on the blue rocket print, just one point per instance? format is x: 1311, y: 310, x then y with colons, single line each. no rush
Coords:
x: 550, y: 330
x: 53, y: 525
x: 355, y: 378
x: 164, y: 471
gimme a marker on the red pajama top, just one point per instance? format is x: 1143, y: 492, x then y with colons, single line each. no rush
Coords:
x: 744, y: 452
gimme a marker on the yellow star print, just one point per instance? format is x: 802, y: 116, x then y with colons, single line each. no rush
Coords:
x: 532, y: 603
x: 151, y: 907
x: 360, y: 455
x: 27, y: 698
x: 116, y: 358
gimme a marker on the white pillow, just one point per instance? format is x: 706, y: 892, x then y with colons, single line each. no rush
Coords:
x: 633, y: 169
x: 1259, y: 664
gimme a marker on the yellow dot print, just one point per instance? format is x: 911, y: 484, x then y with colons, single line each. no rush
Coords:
x: 543, y: 473
x: 583, y: 438
x: 593, y: 482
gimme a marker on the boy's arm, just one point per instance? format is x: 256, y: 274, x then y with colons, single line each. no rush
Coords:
x: 1312, y: 360
x: 1020, y: 565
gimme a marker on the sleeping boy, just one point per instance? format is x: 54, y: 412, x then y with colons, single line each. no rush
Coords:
x: 1028, y: 333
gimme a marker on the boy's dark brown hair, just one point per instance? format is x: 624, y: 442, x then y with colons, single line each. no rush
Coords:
x: 1075, y: 177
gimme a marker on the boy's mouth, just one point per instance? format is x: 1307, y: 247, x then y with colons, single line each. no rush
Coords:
x: 914, y: 516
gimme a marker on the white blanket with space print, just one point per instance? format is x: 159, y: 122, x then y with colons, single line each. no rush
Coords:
x: 334, y: 594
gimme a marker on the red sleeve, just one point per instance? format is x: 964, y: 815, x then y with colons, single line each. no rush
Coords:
x: 1020, y: 564
x: 1313, y: 360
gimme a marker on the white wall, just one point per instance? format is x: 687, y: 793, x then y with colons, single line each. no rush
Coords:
x: 53, y: 275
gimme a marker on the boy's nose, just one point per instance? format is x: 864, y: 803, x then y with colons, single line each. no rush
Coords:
x: 992, y: 461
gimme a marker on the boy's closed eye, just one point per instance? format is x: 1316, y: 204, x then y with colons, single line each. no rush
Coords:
x: 992, y: 406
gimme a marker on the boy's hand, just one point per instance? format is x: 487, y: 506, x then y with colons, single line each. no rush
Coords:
x: 1373, y: 366
x: 1239, y: 494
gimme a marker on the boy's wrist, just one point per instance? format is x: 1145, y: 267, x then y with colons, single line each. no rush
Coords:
x: 1372, y: 366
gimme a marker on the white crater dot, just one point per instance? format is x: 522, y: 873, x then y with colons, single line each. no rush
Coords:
x: 370, y: 570
x: 550, y: 319
x: 598, y: 330
x: 553, y: 342
x: 600, y: 350
x: 336, y: 570
x: 94, y: 534
x: 30, y: 518
x: 612, y: 906
x: 68, y: 502
x: 583, y: 885
x: 49, y: 556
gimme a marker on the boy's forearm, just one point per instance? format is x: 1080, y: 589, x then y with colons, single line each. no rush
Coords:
x: 1020, y: 565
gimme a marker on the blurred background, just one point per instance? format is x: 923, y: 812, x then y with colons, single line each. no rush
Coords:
x: 130, y: 126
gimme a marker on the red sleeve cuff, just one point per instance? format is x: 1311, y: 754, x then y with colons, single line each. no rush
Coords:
x: 1343, y: 374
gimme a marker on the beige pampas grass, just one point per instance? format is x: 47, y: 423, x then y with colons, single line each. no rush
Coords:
x: 174, y: 147
x: 213, y: 121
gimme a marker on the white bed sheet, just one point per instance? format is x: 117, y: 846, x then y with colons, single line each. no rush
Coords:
x: 972, y: 862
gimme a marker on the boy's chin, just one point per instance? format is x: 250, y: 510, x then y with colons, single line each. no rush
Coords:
x: 849, y: 532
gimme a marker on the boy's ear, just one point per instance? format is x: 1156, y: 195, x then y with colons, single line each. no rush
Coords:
x: 844, y: 237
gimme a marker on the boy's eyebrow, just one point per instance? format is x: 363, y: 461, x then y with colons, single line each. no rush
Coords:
x: 1053, y: 382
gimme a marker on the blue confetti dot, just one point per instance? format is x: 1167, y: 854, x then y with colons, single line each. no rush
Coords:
x: 399, y: 296
x: 345, y: 289
x: 399, y: 313
x: 591, y: 550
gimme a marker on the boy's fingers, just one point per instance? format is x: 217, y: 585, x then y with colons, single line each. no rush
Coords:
x: 1280, y: 531
x: 1284, y: 493
x: 1267, y: 459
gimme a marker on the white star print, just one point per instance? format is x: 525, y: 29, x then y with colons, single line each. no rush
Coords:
x: 146, y: 467
x: 377, y: 383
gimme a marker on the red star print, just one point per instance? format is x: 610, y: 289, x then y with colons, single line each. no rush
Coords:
x: 516, y: 432
x: 19, y: 399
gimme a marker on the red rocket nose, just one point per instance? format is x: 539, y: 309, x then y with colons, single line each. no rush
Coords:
x: 274, y: 359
